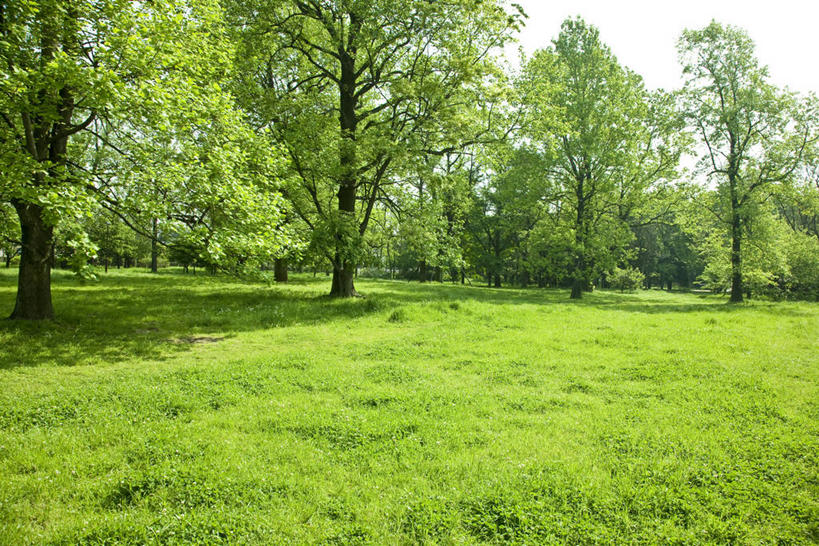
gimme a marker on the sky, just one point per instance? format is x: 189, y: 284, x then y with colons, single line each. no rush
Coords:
x: 643, y: 33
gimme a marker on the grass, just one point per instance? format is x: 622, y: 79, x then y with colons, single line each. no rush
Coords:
x: 172, y: 409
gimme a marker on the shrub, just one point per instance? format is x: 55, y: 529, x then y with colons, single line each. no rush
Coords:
x: 628, y: 279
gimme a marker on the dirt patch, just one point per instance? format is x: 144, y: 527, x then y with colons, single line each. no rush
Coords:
x: 193, y: 340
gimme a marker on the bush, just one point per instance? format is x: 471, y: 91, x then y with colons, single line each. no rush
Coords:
x: 628, y: 279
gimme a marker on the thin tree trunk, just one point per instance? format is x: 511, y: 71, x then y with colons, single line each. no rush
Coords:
x: 34, y: 277
x: 154, y: 246
x: 736, y: 248
x: 579, y: 281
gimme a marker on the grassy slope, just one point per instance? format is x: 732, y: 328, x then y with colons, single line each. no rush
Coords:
x: 171, y: 409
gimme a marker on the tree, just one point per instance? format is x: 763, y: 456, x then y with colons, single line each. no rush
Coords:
x: 593, y: 121
x: 508, y: 203
x: 354, y: 89
x: 78, y: 72
x: 753, y: 134
x: 798, y: 203
x: 202, y: 177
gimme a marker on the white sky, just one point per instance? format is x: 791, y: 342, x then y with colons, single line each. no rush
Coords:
x: 643, y: 33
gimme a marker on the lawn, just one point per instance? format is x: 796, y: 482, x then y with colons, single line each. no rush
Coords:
x: 198, y: 410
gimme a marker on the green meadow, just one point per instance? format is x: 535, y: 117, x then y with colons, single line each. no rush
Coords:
x: 173, y: 409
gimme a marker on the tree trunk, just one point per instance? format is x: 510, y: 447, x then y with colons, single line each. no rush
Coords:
x: 577, y: 289
x: 280, y: 270
x: 154, y: 246
x: 343, y: 267
x: 736, y: 248
x: 343, y: 286
x: 579, y: 280
x: 422, y: 271
x: 34, y: 277
x: 497, y: 280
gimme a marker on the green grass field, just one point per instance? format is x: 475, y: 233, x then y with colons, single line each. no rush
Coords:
x: 179, y: 409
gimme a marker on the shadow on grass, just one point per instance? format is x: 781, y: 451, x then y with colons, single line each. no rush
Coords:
x: 653, y: 302
x: 134, y: 314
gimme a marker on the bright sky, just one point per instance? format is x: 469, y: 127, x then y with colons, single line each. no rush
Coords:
x: 643, y: 33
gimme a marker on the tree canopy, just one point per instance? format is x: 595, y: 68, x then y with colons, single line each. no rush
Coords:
x: 244, y: 135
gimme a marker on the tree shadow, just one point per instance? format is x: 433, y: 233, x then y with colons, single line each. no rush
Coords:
x: 134, y: 315
x: 138, y: 315
x: 645, y: 302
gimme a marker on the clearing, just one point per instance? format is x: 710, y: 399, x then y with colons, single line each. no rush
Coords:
x: 180, y: 409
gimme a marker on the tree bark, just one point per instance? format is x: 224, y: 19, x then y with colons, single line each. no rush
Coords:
x: 577, y: 289
x: 422, y: 271
x: 343, y: 286
x: 343, y: 267
x: 280, y: 270
x: 154, y: 246
x: 34, y: 276
x: 579, y: 281
x: 736, y: 246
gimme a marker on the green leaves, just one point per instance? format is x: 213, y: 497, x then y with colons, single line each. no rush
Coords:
x: 606, y: 142
x: 753, y: 136
x: 361, y: 93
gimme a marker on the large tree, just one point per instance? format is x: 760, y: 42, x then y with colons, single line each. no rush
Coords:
x: 754, y: 135
x: 77, y: 76
x: 355, y: 88
x: 600, y: 131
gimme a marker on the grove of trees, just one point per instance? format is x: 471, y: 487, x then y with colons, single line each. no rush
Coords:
x: 393, y: 138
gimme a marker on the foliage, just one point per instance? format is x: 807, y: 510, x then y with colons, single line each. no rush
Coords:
x: 119, y: 103
x: 754, y: 135
x: 626, y: 279
x: 607, y: 140
x: 9, y: 233
x: 360, y: 93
